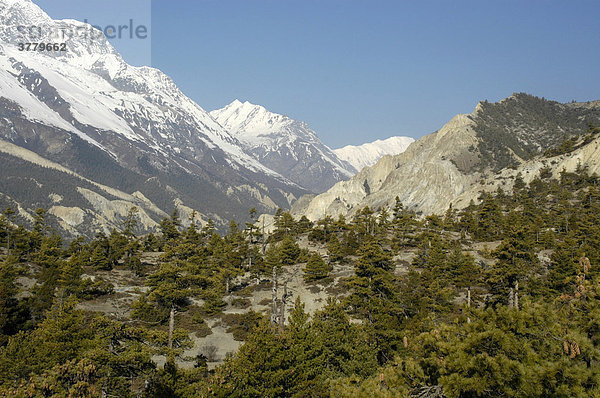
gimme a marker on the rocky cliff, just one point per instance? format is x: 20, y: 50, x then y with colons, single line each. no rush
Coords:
x: 451, y: 163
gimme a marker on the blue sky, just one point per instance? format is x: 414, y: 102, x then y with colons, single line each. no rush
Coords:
x: 361, y: 70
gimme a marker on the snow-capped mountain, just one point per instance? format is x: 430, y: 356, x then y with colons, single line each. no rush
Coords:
x: 129, y: 128
x: 361, y: 156
x: 285, y: 145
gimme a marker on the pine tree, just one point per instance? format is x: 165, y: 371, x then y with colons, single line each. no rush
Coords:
x: 462, y: 267
x: 98, y: 259
x: 130, y: 223
x: 316, y: 268
x: 516, y: 261
x: 489, y: 218
x: 170, y: 288
x: 564, y: 266
x: 6, y: 220
x: 40, y: 229
x: 272, y: 259
x: 304, y: 225
x: 335, y: 251
x: 251, y: 229
x: 8, y: 301
x: 289, y: 251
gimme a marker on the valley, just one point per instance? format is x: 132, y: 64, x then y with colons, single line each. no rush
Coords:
x: 151, y: 247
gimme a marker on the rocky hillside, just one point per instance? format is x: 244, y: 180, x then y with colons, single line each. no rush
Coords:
x: 438, y: 168
x: 288, y: 146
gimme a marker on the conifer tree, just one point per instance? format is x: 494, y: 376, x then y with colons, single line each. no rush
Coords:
x: 462, y: 267
x: 170, y: 288
x: 316, y: 268
x: 272, y: 259
x: 304, y: 225
x: 8, y: 302
x: 98, y: 259
x: 251, y: 229
x: 289, y: 251
x: 335, y: 251
x: 564, y: 267
x: 6, y: 220
x: 130, y: 223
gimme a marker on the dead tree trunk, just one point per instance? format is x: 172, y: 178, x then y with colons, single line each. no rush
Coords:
x: 511, y: 298
x: 171, y: 326
x: 274, y: 298
x: 282, y: 307
x: 469, y: 297
x: 468, y: 302
x: 517, y: 295
x: 264, y: 242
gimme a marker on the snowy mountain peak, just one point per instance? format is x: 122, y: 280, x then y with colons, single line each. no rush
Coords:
x: 285, y: 145
x: 87, y: 109
x: 368, y: 154
x: 13, y: 12
x: 101, y: 90
x: 250, y: 121
x: 22, y: 21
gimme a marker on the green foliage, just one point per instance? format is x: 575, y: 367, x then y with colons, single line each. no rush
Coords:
x: 74, y: 352
x: 403, y: 327
x: 170, y: 286
x: 8, y: 301
x: 213, y: 304
x: 297, y: 361
x: 316, y: 268
x: 240, y: 325
x: 512, y: 127
x: 285, y: 226
x: 98, y: 259
x: 501, y: 352
x: 289, y: 251
x: 146, y: 311
x: 462, y: 268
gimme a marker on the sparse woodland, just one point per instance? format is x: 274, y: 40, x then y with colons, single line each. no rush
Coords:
x: 499, y: 299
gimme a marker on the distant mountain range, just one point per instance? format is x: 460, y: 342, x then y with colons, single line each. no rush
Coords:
x: 87, y: 136
x: 292, y: 148
x: 103, y: 123
x: 368, y: 154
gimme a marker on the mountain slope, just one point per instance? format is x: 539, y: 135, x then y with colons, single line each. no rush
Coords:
x: 126, y: 127
x: 285, y: 145
x: 440, y: 167
x: 584, y: 155
x: 368, y: 154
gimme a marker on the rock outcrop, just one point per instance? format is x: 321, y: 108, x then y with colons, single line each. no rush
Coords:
x: 452, y: 163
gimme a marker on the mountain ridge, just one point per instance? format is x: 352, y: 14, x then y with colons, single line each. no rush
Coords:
x: 436, y: 169
x: 120, y: 125
x: 367, y: 154
x: 285, y: 145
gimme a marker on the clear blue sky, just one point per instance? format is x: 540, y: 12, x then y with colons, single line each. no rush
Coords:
x: 361, y: 70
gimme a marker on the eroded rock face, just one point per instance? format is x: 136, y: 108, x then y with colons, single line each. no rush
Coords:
x: 587, y: 156
x: 425, y: 177
x: 452, y: 163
